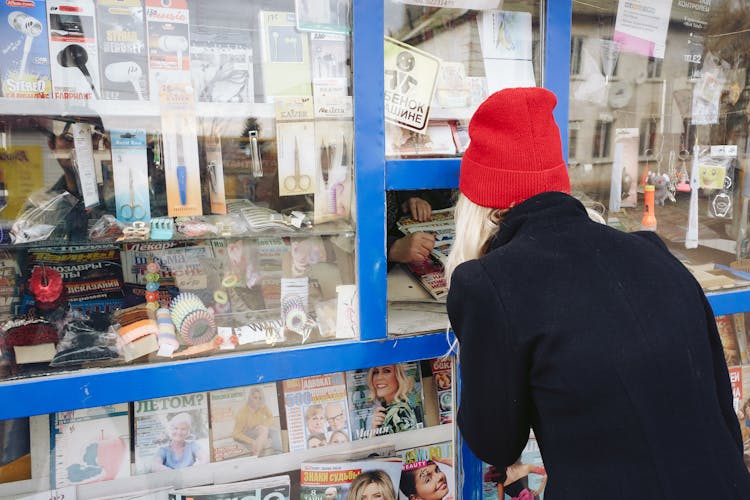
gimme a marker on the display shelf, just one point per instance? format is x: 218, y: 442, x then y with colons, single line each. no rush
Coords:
x: 96, y: 387
x: 334, y: 228
x: 237, y: 469
x: 56, y: 107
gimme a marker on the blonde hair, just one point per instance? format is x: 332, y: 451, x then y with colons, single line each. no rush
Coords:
x: 475, y: 227
x: 364, y: 479
x: 405, y: 384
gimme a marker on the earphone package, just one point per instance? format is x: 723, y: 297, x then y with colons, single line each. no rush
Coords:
x: 24, y: 57
x: 221, y: 55
x: 74, y: 55
x: 168, y: 42
x: 123, y: 57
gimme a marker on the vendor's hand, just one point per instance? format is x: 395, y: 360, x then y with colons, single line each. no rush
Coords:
x: 412, y: 248
x: 418, y: 208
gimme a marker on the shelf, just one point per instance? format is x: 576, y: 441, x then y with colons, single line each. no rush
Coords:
x: 334, y: 228
x: 238, y: 469
x: 96, y: 387
x: 428, y: 173
x: 54, y: 107
x: 729, y: 302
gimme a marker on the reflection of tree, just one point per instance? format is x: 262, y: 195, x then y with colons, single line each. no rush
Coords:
x: 727, y: 36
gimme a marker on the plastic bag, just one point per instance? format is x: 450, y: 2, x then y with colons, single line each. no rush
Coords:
x: 45, y: 212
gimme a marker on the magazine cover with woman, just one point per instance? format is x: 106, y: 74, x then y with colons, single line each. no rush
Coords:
x: 171, y: 432
x: 385, y: 399
x: 350, y: 479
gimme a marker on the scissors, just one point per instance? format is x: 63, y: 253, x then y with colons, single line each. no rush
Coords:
x: 297, y: 183
x: 132, y: 210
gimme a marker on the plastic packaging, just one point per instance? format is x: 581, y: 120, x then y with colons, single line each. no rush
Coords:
x: 45, y: 212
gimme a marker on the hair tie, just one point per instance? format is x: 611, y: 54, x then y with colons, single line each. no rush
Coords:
x: 47, y: 287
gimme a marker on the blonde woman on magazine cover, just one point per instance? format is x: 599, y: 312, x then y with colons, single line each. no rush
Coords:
x: 372, y: 485
x: 253, y: 425
x: 181, y: 451
x: 600, y: 341
x: 389, y: 390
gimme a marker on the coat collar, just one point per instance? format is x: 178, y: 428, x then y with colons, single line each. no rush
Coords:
x: 544, y: 207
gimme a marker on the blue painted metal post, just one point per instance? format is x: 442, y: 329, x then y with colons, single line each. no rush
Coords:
x: 369, y: 154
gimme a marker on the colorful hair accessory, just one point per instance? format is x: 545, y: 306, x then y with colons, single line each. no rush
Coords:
x: 191, y: 319
x: 152, y: 285
x: 26, y: 332
x: 47, y: 287
x: 230, y: 281
x: 198, y: 328
x: 221, y: 297
x: 167, y: 334
x: 293, y: 313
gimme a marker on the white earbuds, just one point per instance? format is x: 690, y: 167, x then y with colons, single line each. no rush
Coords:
x: 26, y: 25
x: 125, y: 71
x: 174, y: 43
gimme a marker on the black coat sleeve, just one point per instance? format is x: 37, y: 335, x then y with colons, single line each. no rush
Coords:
x: 494, y: 412
x: 720, y: 371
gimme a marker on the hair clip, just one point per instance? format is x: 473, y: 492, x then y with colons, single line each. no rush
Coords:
x: 162, y: 228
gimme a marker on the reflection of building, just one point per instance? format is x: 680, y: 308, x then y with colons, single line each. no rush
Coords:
x: 610, y: 89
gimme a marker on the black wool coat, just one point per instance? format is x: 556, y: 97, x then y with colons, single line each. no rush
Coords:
x: 604, y: 344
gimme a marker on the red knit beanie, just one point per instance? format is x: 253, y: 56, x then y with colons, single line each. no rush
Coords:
x: 515, y: 150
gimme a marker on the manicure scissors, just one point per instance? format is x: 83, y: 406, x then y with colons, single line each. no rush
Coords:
x: 297, y: 183
x: 132, y: 210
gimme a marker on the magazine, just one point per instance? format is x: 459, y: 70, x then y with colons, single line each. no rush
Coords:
x: 442, y: 225
x: 431, y: 276
x: 245, y: 422
x: 269, y: 488
x: 341, y: 480
x: 428, y: 472
x: 442, y: 377
x: 385, y: 399
x: 15, y: 452
x: 316, y: 411
x: 171, y: 432
x: 728, y: 339
x: 739, y: 378
x: 529, y: 471
x: 89, y: 445
x: 431, y: 272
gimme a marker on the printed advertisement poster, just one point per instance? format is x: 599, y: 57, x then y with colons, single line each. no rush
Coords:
x: 506, y: 41
x: 410, y: 78
x: 641, y: 26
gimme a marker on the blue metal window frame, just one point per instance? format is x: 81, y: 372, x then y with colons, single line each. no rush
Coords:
x: 87, y: 388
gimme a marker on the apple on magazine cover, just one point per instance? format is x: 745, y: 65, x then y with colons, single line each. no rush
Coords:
x: 89, y: 445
